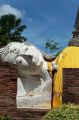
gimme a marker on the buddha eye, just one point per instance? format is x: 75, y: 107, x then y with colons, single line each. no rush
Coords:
x: 15, y: 49
x: 26, y: 49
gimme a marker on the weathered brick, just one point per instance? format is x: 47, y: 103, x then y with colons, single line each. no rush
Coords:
x: 71, y: 85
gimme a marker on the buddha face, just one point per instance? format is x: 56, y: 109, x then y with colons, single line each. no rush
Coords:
x: 28, y: 58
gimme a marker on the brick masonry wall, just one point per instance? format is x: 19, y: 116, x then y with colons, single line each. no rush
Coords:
x: 71, y: 85
x: 8, y: 91
x: 30, y: 114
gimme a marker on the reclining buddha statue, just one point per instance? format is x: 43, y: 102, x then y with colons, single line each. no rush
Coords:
x: 34, y: 83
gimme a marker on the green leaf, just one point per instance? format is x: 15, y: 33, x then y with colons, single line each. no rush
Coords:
x: 11, y: 29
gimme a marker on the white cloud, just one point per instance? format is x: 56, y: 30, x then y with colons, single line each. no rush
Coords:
x: 7, y: 9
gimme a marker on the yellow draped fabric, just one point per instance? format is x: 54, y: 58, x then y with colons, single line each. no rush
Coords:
x: 68, y: 58
x: 50, y: 68
x: 50, y: 72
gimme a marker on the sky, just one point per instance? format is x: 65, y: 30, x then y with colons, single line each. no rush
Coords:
x: 45, y: 19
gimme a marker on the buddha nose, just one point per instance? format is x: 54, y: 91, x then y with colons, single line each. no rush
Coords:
x: 19, y: 61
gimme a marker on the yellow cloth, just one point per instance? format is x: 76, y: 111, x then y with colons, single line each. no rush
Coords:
x: 50, y: 68
x: 68, y: 58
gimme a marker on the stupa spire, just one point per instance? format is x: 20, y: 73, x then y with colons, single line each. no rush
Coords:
x: 76, y: 26
x: 75, y: 38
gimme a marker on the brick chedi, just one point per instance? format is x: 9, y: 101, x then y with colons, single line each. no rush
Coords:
x: 71, y: 75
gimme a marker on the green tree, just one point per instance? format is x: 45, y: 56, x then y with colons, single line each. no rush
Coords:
x: 52, y: 47
x: 11, y: 29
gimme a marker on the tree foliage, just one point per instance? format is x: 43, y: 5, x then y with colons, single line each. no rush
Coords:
x: 10, y: 29
x: 52, y: 46
x: 66, y: 112
x: 5, y: 118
